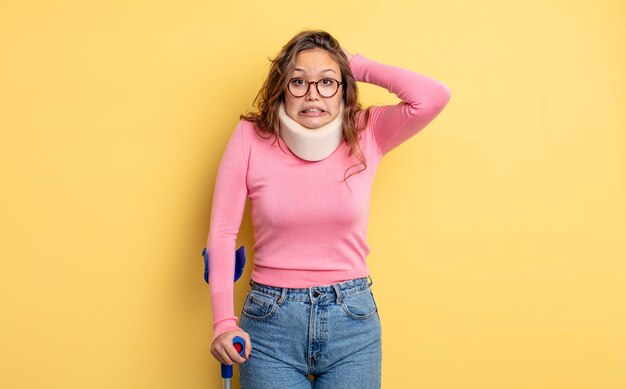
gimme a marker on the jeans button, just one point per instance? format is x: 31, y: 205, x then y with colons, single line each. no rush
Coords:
x: 316, y: 294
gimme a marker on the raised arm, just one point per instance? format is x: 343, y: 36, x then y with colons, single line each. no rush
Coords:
x: 422, y: 100
x: 229, y: 201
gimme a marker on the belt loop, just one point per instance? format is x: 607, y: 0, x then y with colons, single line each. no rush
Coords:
x: 371, y: 281
x: 338, y: 292
x: 251, y: 282
x: 283, y: 295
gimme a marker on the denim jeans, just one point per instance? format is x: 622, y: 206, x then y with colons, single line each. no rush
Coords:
x: 331, y: 333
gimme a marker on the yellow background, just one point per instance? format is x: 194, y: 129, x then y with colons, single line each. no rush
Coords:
x: 498, y: 234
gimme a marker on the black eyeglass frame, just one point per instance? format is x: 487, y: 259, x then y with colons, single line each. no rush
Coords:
x: 339, y: 83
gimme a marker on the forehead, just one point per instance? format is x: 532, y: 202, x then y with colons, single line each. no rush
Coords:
x: 315, y: 61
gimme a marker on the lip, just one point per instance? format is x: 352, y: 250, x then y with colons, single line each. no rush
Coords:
x: 312, y: 114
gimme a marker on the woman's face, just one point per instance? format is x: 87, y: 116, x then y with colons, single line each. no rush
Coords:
x: 314, y: 65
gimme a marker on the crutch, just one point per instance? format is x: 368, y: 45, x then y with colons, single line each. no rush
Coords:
x: 238, y: 342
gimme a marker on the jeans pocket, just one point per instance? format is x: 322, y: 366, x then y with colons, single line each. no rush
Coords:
x: 259, y: 306
x: 360, y: 305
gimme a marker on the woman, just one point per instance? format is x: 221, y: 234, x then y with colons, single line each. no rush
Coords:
x: 310, y: 315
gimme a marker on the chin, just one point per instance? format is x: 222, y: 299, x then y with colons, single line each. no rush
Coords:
x: 313, y: 124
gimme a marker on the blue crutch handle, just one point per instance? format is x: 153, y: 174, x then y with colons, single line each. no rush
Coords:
x: 240, y: 346
x: 240, y: 262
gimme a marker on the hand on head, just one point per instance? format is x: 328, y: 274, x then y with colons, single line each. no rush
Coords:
x: 347, y: 53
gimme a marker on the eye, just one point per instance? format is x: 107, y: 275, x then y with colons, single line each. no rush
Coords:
x: 297, y: 82
x: 327, y: 81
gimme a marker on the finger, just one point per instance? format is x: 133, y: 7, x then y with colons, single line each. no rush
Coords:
x: 248, y: 346
x: 234, y: 355
x: 225, y: 358
x: 217, y: 355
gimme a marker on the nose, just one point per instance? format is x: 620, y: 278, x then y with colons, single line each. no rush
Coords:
x: 313, y: 94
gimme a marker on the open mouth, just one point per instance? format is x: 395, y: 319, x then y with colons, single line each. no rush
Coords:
x: 312, y: 112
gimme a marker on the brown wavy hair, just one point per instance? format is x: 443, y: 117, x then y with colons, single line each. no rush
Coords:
x: 271, y: 93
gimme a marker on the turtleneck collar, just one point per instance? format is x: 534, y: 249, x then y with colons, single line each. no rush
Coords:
x: 311, y: 144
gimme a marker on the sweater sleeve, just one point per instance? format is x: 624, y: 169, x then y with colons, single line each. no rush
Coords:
x: 229, y: 202
x: 422, y: 100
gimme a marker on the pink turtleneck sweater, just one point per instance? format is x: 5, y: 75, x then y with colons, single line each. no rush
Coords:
x: 309, y: 226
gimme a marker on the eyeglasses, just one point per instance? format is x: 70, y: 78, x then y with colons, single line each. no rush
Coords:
x: 326, y: 87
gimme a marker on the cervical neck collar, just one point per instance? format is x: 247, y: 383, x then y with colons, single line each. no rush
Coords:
x: 311, y: 144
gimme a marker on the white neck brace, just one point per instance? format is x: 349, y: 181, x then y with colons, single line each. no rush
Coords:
x: 311, y: 144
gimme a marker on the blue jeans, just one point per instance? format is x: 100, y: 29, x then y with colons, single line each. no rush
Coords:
x: 332, y: 333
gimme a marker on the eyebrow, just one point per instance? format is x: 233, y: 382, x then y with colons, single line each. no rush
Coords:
x: 322, y: 71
